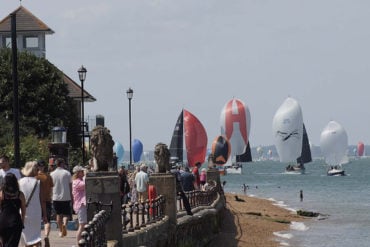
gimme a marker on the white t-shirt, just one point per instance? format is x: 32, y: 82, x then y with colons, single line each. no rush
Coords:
x: 3, y: 173
x: 141, y: 180
x: 62, y: 180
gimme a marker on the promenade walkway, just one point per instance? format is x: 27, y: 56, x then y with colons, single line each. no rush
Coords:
x: 56, y: 241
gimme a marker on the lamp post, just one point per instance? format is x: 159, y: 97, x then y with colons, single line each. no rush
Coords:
x: 130, y: 93
x: 82, y: 75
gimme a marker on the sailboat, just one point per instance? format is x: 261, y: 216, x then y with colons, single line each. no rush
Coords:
x: 305, y: 157
x: 235, y: 126
x: 191, y: 128
x: 287, y: 129
x: 334, y: 143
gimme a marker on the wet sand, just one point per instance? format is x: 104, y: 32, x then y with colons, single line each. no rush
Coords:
x: 252, y: 221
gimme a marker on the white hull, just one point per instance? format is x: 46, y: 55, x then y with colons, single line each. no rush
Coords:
x: 335, y: 172
x: 233, y: 170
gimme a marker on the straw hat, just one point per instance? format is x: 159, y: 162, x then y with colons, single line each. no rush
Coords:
x: 78, y: 169
x: 29, y: 168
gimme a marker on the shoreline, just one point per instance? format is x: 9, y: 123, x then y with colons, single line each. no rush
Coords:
x: 253, y: 221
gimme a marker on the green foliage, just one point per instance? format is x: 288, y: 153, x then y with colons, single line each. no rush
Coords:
x: 43, y: 99
x: 31, y: 148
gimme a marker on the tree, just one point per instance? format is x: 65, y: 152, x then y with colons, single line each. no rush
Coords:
x: 43, y: 98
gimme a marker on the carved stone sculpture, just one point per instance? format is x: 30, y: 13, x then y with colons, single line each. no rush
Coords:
x: 162, y: 157
x: 101, y: 148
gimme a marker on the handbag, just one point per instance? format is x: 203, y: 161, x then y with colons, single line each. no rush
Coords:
x: 33, y: 190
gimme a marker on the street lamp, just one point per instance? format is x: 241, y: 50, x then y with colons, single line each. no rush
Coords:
x: 82, y: 75
x: 130, y: 93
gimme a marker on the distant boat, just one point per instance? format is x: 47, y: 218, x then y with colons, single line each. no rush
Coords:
x: 305, y: 157
x: 287, y: 129
x: 360, y: 149
x: 235, y: 126
x: 334, y: 144
x: 191, y: 128
x: 221, y: 152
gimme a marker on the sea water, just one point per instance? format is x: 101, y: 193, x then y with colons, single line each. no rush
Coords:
x: 343, y: 202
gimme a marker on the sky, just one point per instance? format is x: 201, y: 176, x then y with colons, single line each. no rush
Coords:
x: 198, y: 55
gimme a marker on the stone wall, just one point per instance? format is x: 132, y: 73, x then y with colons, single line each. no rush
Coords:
x: 196, y: 230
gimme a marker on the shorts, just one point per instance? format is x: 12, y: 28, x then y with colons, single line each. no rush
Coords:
x: 62, y: 207
x: 48, y: 211
x: 82, y: 215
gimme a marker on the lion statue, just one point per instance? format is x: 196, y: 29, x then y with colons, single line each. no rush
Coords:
x: 101, y: 148
x: 162, y: 157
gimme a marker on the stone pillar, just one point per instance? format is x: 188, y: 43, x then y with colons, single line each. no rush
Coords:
x: 104, y: 187
x: 165, y: 185
x: 213, y: 174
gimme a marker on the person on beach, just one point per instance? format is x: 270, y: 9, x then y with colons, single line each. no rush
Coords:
x: 79, y: 199
x: 244, y: 189
x: 301, y: 195
x: 36, y: 209
x: 62, y: 195
x: 46, y: 190
x: 12, y: 211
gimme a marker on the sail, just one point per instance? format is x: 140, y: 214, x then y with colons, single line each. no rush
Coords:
x: 221, y: 149
x: 235, y: 122
x: 118, y: 149
x: 360, y: 148
x: 246, y: 156
x: 137, y: 150
x: 287, y: 128
x: 334, y: 143
x: 177, y: 141
x: 195, y: 139
x: 306, y: 150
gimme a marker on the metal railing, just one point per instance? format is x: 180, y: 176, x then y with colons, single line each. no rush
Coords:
x: 198, y: 198
x: 138, y: 215
x: 94, y: 232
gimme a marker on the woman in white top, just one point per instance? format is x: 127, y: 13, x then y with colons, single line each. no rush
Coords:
x: 30, y: 186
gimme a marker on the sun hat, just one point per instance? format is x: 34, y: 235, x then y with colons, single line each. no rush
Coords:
x: 28, y: 168
x: 77, y: 169
x: 204, y: 169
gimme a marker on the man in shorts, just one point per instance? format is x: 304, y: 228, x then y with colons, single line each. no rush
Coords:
x: 62, y: 195
x: 46, y: 191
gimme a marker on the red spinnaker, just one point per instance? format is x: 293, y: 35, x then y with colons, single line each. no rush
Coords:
x: 195, y: 139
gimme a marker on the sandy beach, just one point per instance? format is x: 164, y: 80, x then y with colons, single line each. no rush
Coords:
x: 252, y: 221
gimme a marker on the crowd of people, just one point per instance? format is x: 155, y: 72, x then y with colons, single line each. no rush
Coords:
x: 29, y: 197
x: 40, y: 192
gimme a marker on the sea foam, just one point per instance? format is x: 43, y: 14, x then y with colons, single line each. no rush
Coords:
x: 283, y: 235
x: 298, y: 226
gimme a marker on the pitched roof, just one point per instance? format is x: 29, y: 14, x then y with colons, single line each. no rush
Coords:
x: 26, y: 22
x: 75, y: 89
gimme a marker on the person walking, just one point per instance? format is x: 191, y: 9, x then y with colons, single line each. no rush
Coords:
x: 195, y: 172
x: 79, y: 199
x: 142, y: 181
x: 187, y: 180
x: 124, y: 185
x: 62, y: 195
x: 13, y: 211
x: 36, y: 210
x: 203, y: 177
x: 180, y: 190
x: 46, y: 190
x: 5, y: 168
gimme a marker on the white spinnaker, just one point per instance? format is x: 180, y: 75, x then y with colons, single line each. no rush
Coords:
x: 334, y: 143
x: 287, y: 129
